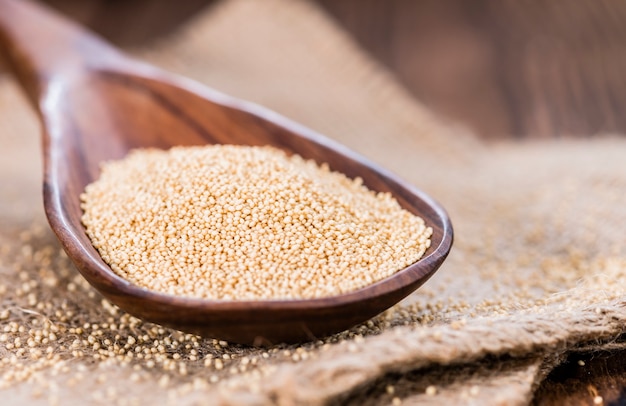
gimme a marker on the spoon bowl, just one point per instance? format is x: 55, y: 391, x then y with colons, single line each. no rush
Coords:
x: 96, y: 104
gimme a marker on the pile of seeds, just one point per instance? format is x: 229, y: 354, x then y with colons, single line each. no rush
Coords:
x: 243, y: 223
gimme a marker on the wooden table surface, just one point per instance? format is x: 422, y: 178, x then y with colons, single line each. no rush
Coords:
x: 535, y: 68
x: 505, y: 68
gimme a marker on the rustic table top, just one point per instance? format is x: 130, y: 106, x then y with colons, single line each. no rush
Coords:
x: 533, y: 69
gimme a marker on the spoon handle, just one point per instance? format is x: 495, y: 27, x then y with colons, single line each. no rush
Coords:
x: 41, y: 46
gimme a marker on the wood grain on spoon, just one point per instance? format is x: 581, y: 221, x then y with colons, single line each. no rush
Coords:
x: 96, y: 104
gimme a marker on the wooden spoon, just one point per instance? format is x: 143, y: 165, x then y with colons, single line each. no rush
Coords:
x: 96, y: 104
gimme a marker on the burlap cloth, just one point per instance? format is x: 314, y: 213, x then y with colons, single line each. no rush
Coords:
x: 538, y: 268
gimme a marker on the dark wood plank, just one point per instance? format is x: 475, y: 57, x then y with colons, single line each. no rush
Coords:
x: 586, y: 378
x: 531, y: 68
x: 133, y: 22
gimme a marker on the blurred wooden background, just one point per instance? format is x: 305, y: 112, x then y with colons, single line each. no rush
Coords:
x: 505, y: 68
x: 536, y: 68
